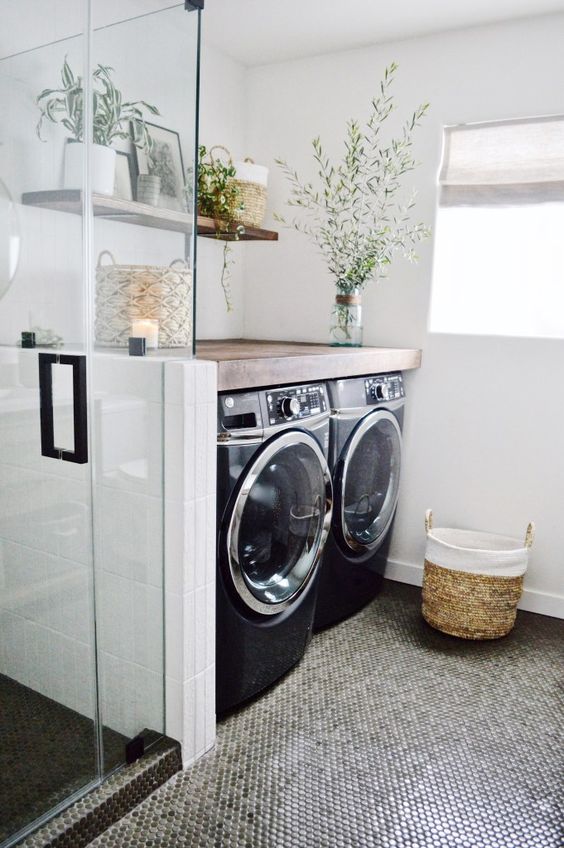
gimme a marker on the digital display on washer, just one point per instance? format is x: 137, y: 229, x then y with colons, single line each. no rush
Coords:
x: 295, y: 403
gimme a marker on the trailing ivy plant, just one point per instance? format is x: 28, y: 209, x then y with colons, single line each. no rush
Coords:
x: 219, y: 198
x: 353, y: 213
x: 112, y: 116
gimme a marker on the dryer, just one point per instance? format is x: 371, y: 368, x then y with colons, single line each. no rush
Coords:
x: 274, y: 515
x: 365, y: 459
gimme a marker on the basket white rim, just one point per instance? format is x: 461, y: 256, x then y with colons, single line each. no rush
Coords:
x: 521, y: 549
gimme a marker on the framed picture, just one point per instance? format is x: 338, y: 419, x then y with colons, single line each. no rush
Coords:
x: 125, y: 176
x: 165, y: 162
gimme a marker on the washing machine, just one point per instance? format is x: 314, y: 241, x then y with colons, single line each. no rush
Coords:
x: 274, y: 514
x: 365, y: 460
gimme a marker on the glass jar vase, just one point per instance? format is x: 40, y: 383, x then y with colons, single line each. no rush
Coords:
x: 346, y: 320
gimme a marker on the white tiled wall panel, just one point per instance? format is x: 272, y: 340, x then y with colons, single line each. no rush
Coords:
x: 190, y: 520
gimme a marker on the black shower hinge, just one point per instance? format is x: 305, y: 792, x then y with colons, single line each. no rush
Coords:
x: 134, y: 749
x: 193, y: 5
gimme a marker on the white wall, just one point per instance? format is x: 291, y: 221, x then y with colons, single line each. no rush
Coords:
x: 484, y: 438
x: 222, y: 121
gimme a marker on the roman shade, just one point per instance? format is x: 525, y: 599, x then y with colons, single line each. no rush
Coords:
x: 503, y: 163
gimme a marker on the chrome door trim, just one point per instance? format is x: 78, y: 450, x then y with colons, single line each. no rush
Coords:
x: 242, y: 438
x: 292, y: 437
x: 258, y: 435
x: 354, y: 412
x: 362, y: 428
x: 311, y: 423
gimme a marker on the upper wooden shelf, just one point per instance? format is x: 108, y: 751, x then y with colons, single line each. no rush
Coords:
x: 131, y: 212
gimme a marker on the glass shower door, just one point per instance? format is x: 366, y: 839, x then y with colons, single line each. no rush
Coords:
x: 82, y: 453
x: 49, y: 745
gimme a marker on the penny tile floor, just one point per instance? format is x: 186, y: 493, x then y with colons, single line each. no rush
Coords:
x: 387, y: 735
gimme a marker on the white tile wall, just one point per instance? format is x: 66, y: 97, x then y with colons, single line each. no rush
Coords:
x: 190, y: 475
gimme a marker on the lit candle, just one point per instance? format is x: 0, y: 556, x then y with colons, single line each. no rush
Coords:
x: 148, y: 329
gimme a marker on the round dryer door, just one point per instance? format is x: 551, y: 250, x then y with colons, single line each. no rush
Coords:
x: 279, y: 522
x: 369, y: 480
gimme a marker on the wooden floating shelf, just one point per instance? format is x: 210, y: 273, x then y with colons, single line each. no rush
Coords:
x: 131, y: 212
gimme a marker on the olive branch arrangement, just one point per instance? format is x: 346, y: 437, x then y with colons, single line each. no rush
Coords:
x: 112, y: 117
x: 353, y: 214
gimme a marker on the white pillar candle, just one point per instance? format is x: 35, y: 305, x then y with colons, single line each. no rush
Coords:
x: 147, y: 329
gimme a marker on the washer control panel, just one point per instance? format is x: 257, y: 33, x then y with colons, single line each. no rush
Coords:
x: 295, y: 403
x: 383, y: 387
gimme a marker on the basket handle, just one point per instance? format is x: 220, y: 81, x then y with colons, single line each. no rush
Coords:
x: 105, y: 253
x: 428, y: 520
x: 225, y: 150
x: 175, y: 261
x: 249, y: 159
x: 530, y: 534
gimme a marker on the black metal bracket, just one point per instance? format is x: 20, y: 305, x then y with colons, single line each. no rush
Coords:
x: 194, y: 5
x: 134, y: 749
x: 80, y: 407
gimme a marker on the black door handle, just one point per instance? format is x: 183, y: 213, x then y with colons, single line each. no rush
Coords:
x: 80, y: 407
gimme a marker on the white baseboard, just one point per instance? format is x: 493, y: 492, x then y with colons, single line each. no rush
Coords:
x: 531, y: 600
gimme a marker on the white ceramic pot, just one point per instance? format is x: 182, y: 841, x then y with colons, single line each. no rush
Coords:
x: 103, y: 162
x: 148, y: 189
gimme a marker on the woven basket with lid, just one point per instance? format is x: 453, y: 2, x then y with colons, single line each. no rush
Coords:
x: 249, y: 206
x: 472, y: 581
x: 251, y: 182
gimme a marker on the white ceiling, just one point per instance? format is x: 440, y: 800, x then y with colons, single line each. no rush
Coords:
x: 27, y: 24
x: 257, y: 32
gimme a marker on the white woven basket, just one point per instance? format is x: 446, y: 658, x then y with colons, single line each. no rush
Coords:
x: 472, y: 581
x: 476, y: 552
x: 126, y: 293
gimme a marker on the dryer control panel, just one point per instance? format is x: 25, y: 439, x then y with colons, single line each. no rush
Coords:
x: 295, y: 403
x: 383, y: 387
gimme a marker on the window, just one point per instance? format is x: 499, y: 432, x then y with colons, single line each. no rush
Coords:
x: 499, y: 257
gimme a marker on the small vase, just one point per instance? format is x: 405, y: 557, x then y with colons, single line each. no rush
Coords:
x: 148, y: 189
x: 346, y: 320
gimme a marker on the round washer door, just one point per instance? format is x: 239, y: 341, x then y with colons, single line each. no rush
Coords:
x: 369, y: 480
x: 279, y: 523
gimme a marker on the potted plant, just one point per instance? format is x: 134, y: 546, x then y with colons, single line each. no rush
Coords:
x: 112, y: 118
x: 353, y: 214
x: 219, y: 198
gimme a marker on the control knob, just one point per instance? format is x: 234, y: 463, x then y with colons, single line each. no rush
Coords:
x: 380, y: 391
x: 289, y: 406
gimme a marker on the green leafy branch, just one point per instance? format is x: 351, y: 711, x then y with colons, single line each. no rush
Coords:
x: 353, y: 214
x: 219, y: 198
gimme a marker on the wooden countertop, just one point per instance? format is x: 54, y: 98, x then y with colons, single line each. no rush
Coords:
x: 244, y: 363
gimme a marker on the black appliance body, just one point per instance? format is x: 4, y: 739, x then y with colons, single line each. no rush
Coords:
x: 274, y: 514
x: 365, y: 457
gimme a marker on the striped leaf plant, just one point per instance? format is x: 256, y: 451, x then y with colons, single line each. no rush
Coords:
x: 112, y: 116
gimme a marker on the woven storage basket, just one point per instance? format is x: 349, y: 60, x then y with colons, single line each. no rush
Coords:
x: 253, y: 200
x: 126, y: 293
x: 472, y: 581
x: 249, y: 207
